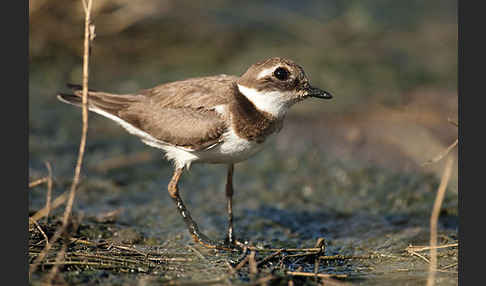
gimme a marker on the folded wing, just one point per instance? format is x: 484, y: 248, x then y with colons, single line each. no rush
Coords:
x: 170, y: 115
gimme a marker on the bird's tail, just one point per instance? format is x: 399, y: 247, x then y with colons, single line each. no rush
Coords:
x: 99, y: 102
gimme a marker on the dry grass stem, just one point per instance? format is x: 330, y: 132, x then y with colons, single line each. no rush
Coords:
x: 453, y: 122
x: 197, y: 252
x: 38, y: 182
x: 442, y: 154
x: 344, y: 257
x: 87, y: 9
x: 59, y: 201
x: 269, y: 257
x: 309, y: 250
x: 67, y: 212
x: 49, y: 190
x: 434, y: 219
x: 123, y: 247
x: 320, y: 275
x: 252, y: 263
x: 449, y: 266
x: 41, y: 256
x: 420, y: 255
x: 40, y: 230
x: 423, y: 248
x: 321, y: 243
x: 241, y: 264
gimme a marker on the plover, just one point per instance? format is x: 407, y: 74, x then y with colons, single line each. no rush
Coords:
x: 218, y: 119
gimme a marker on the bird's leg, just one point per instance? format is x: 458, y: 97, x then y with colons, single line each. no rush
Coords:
x: 190, y: 223
x: 229, y: 199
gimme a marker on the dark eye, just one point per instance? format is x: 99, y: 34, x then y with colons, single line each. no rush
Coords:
x: 281, y: 73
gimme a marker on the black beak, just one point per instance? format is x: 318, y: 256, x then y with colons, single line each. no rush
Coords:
x: 318, y: 93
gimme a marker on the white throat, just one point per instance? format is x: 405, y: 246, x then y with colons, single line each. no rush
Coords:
x: 273, y: 102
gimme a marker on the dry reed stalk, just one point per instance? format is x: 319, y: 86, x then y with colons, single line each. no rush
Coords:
x: 423, y: 248
x: 269, y: 257
x: 87, y: 4
x: 252, y: 264
x: 241, y: 264
x: 48, y: 180
x: 88, y: 37
x: 49, y: 190
x: 60, y: 200
x: 320, y: 275
x: 312, y: 250
x: 38, y: 182
x: 197, y: 252
x: 453, y: 122
x: 447, y: 150
x: 442, y: 154
x: 434, y: 219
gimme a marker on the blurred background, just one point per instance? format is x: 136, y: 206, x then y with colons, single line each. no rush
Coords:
x: 391, y: 66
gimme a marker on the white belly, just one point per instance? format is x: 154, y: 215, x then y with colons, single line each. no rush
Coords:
x: 232, y: 150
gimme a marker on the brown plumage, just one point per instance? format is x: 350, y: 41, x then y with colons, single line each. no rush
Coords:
x: 217, y: 119
x: 180, y: 113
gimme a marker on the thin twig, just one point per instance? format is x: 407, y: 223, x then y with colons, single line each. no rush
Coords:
x: 449, y: 266
x: 59, y: 201
x: 170, y: 259
x: 77, y: 171
x: 197, y: 252
x: 271, y: 256
x: 82, y: 144
x: 321, y: 243
x: 40, y: 229
x: 49, y: 190
x: 123, y: 247
x: 95, y: 264
x: 252, y: 264
x: 345, y: 257
x: 321, y: 275
x: 38, y: 182
x: 442, y: 154
x: 433, y: 221
x: 420, y: 255
x: 453, y: 122
x: 241, y: 264
x: 423, y: 248
x: 257, y: 249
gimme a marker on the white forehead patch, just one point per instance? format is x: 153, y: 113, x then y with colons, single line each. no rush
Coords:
x: 266, y: 72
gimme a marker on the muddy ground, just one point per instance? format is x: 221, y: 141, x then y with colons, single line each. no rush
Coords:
x: 349, y: 171
x: 366, y: 196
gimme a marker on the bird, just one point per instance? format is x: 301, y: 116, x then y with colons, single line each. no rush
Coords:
x: 220, y: 119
